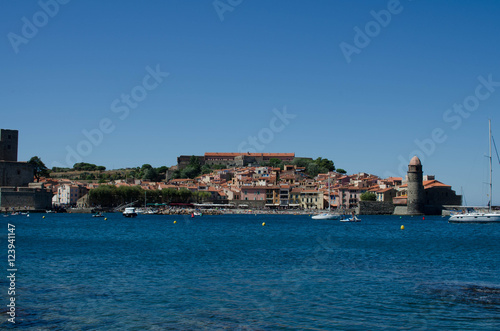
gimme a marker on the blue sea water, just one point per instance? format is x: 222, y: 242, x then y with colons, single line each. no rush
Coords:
x: 230, y: 272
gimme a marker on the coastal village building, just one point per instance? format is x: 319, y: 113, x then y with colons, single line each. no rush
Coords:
x: 17, y: 188
x: 306, y: 198
x: 385, y: 194
x: 67, y: 194
x: 265, y: 187
x: 349, y: 196
x: 273, y: 188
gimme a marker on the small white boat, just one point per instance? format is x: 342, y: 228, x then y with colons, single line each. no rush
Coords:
x: 130, y: 212
x: 326, y: 216
x: 351, y: 219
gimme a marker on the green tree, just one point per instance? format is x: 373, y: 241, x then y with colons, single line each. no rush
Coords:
x: 104, y: 195
x: 325, y: 163
x: 39, y: 168
x: 341, y: 171
x: 162, y: 173
x: 150, y: 174
x: 59, y: 169
x: 184, y: 195
x: 169, y: 194
x: 201, y: 196
x: 195, y: 163
x: 177, y: 174
x: 82, y: 166
x: 218, y: 166
x: 206, y: 169
x: 204, y: 196
x: 276, y: 163
x: 313, y: 169
x: 162, y: 169
x: 368, y: 196
x: 189, y: 172
x: 192, y: 170
x: 300, y: 162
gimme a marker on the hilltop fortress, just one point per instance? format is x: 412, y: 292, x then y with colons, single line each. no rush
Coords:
x: 236, y: 159
x: 17, y: 190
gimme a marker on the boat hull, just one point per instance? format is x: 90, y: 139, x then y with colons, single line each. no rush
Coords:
x: 326, y: 217
x: 475, y: 218
x: 130, y: 212
x: 351, y: 220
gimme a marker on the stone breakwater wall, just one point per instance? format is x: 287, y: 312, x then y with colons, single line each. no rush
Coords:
x: 375, y: 208
x: 190, y: 211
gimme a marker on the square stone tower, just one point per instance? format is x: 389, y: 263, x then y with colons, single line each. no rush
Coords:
x: 8, y: 145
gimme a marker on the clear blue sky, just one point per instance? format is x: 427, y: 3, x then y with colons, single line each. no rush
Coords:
x: 230, y: 67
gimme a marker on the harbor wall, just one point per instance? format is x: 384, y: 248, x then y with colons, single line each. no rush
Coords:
x: 375, y: 208
x: 249, y: 204
x: 24, y: 198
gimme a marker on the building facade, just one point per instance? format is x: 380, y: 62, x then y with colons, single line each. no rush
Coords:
x: 68, y: 194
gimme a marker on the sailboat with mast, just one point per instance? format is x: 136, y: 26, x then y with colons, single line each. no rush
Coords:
x: 329, y: 215
x: 480, y: 217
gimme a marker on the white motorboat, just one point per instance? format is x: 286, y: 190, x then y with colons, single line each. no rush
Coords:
x: 479, y: 217
x: 130, y: 212
x: 326, y: 216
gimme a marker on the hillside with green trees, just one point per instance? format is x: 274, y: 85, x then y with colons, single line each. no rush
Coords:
x: 312, y: 167
x: 94, y: 173
x: 91, y: 172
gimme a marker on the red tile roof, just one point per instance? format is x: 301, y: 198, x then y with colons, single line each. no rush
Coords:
x: 250, y: 154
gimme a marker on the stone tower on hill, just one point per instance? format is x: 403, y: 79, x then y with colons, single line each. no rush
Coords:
x: 17, y: 190
x: 8, y: 145
x: 416, y: 193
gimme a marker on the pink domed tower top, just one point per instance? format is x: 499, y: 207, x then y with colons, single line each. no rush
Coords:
x: 415, y: 161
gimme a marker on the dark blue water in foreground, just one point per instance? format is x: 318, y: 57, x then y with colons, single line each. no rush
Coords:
x: 230, y: 272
